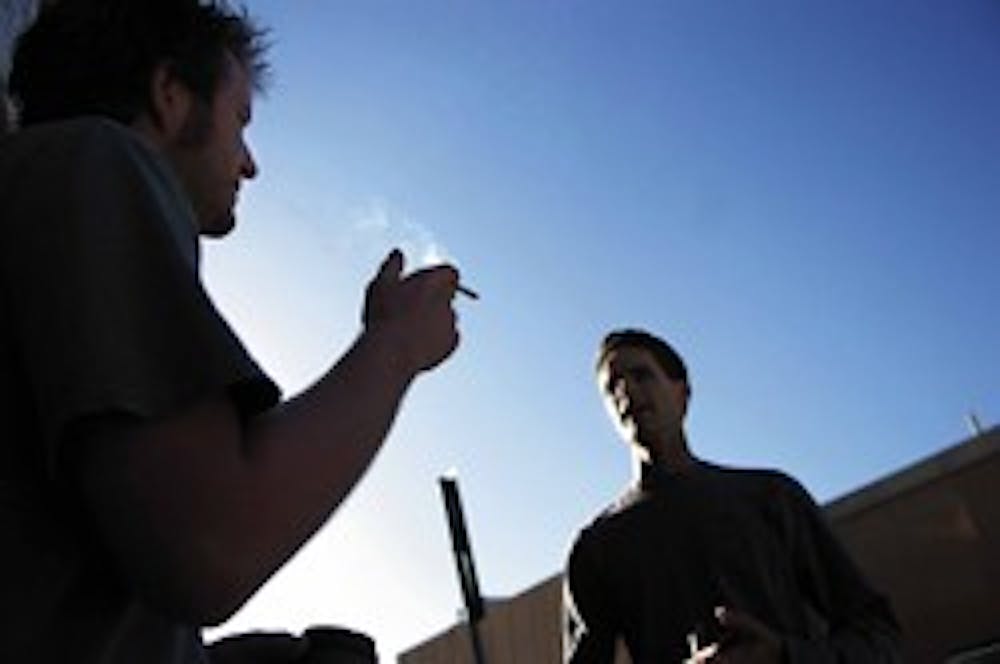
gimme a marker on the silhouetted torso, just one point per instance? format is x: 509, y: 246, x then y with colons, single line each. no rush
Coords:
x: 653, y: 566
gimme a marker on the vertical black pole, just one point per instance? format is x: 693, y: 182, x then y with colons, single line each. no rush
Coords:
x: 463, y: 561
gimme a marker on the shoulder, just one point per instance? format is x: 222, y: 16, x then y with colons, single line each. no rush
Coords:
x: 69, y: 136
x: 94, y: 175
x: 617, y: 517
x: 745, y: 473
x: 775, y: 483
x: 77, y: 146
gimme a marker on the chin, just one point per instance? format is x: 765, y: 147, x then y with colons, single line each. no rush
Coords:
x: 219, y: 226
x: 641, y: 453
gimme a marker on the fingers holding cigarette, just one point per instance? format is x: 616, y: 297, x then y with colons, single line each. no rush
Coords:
x: 454, y: 277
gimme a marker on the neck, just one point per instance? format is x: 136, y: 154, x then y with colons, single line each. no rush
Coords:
x: 672, y: 455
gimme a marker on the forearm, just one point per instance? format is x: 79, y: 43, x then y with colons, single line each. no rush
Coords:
x: 299, y: 461
x: 200, y: 509
x: 867, y: 646
x: 861, y: 624
x: 304, y: 456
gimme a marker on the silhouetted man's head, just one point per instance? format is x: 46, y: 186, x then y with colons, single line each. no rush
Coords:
x: 644, y: 384
x: 97, y: 57
x: 180, y: 72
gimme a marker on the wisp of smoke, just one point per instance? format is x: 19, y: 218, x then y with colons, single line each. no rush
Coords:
x: 382, y: 228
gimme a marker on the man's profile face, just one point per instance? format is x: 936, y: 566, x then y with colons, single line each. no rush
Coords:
x: 646, y: 405
x: 212, y: 157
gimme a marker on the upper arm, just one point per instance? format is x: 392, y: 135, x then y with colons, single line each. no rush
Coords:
x: 835, y: 584
x: 158, y: 491
x: 109, y: 315
x: 589, y: 630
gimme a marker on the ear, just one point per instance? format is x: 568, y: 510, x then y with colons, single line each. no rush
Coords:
x: 687, y: 398
x: 171, y: 101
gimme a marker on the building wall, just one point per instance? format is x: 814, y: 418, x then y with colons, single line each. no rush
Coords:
x: 928, y: 536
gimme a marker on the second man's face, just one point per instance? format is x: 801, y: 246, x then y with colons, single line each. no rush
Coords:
x: 646, y: 405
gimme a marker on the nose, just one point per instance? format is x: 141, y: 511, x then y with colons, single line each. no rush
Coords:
x: 248, y: 165
x: 622, y: 394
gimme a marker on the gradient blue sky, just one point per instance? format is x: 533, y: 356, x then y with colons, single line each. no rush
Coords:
x: 803, y: 196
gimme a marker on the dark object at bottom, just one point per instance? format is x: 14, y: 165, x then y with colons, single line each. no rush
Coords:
x: 337, y: 645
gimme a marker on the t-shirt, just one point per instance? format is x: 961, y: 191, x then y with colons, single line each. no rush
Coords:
x: 651, y: 569
x: 102, y: 311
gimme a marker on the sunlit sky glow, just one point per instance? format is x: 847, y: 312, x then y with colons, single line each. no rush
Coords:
x: 803, y: 196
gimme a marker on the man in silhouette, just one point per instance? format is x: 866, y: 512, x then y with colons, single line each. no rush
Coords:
x: 151, y: 478
x: 698, y: 562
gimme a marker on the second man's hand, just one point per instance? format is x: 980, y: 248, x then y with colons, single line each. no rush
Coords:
x: 746, y: 640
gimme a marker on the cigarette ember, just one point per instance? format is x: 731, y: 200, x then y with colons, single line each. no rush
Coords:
x: 468, y: 292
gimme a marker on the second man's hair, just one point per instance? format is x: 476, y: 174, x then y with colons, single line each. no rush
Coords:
x: 668, y: 358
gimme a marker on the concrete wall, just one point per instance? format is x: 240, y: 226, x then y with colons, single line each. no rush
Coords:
x: 522, y: 629
x: 929, y: 537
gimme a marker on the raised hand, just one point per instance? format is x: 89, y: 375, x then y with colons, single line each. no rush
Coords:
x: 416, y: 310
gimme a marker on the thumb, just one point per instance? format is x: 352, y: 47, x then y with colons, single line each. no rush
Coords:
x: 391, y: 268
x: 378, y: 288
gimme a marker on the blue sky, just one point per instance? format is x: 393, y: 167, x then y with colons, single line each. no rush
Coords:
x: 804, y: 197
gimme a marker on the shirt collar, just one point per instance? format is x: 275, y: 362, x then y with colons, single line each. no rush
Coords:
x: 653, y: 476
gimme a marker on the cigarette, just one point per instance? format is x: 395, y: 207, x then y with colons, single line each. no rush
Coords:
x: 468, y: 292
